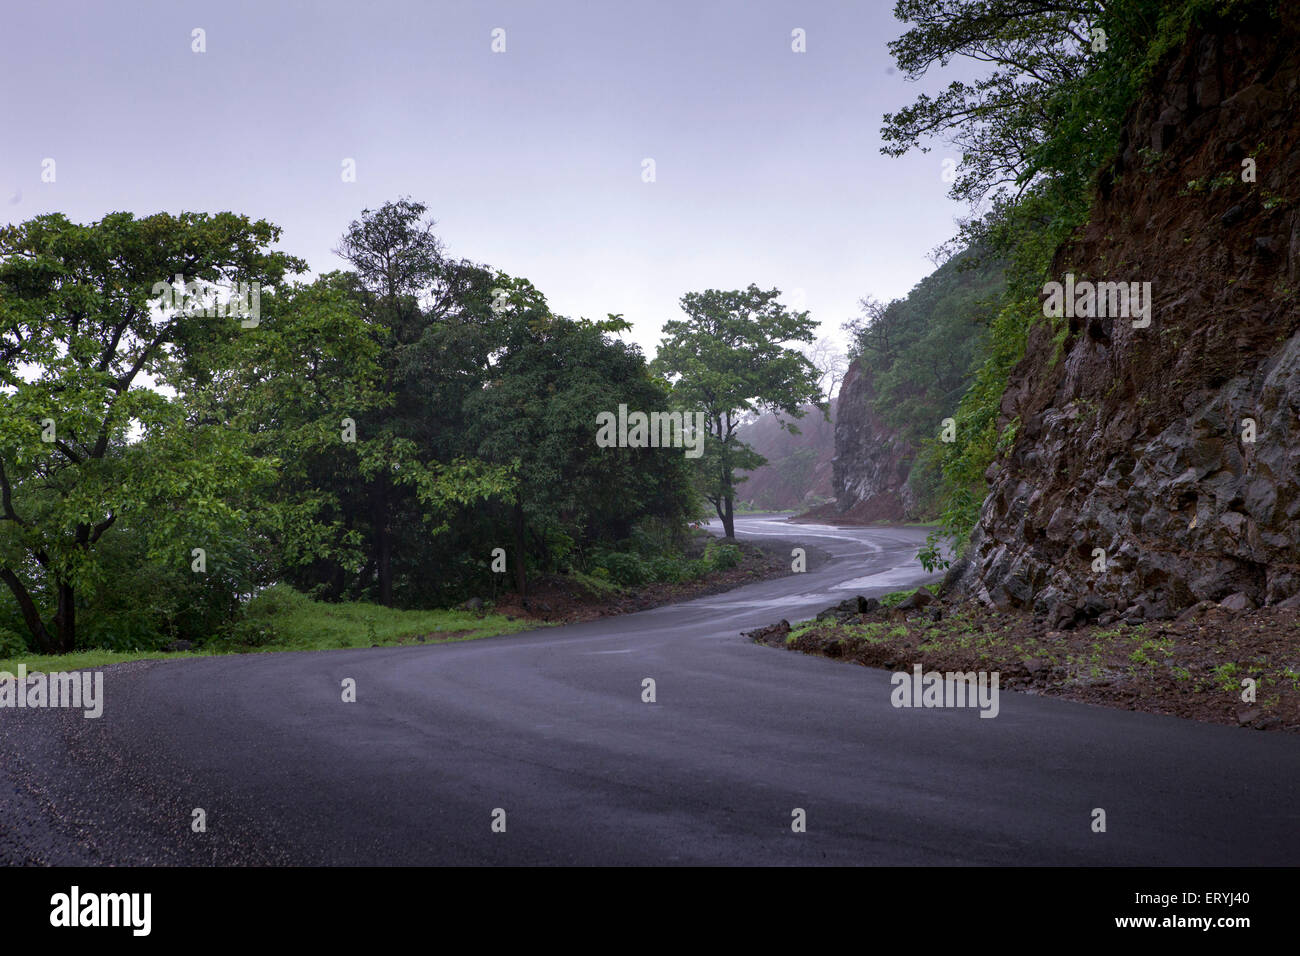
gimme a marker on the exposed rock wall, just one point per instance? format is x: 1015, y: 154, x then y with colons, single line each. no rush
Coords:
x: 1135, y: 440
x: 872, y: 463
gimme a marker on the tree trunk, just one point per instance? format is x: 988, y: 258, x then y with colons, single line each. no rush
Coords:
x: 521, y: 581
x: 31, y: 616
x: 725, y: 509
x: 382, y: 540
x: 65, y: 619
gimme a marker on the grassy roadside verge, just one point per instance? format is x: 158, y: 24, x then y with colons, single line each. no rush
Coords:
x: 281, y: 619
x: 293, y: 622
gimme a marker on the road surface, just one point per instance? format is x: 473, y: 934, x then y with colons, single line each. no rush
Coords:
x: 547, y: 732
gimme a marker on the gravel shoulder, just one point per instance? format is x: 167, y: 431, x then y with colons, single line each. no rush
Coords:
x: 74, y: 792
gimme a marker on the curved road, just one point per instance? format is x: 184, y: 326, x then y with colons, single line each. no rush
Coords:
x: 550, y: 727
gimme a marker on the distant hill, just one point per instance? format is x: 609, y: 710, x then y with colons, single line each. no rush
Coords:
x: 798, y: 473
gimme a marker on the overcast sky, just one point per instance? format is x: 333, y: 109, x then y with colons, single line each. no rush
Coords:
x: 767, y: 163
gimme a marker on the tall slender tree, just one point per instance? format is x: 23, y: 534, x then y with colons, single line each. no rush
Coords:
x: 729, y: 359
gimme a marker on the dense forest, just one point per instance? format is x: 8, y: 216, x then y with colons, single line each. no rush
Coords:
x: 184, y: 424
x: 920, y: 355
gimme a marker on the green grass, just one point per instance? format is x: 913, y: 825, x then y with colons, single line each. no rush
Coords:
x: 1145, y: 654
x: 329, y: 626
x: 896, y: 598
x: 283, y: 620
x: 801, y: 629
x: 1226, y: 677
x: 85, y: 659
x: 596, y: 584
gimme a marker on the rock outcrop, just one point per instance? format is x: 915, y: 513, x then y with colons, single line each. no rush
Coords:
x: 1157, y: 467
x: 872, y: 462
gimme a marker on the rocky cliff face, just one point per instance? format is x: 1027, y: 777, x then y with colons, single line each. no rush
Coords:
x: 1155, y: 467
x: 872, y: 462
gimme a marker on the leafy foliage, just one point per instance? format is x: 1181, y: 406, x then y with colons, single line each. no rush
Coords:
x: 922, y: 352
x: 86, y: 349
x: 374, y: 435
x: 729, y: 359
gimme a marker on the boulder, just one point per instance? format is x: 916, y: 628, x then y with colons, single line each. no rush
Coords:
x: 920, y: 598
x: 1239, y: 601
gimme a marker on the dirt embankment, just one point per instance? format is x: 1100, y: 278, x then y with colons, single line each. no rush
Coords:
x: 1196, y: 666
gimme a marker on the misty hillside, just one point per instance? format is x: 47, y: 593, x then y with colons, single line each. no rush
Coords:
x: 797, y: 475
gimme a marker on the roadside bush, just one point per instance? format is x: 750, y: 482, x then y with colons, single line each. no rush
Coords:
x: 722, y: 557
x: 675, y: 569
x: 665, y: 569
x: 276, y: 600
x: 11, y: 643
x: 256, y: 626
x: 633, y: 569
x: 249, y: 633
x: 625, y: 569
x: 130, y: 630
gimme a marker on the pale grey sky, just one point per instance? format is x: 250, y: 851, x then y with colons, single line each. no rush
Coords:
x: 767, y: 162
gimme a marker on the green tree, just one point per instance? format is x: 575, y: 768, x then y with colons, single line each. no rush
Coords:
x: 1060, y: 76
x: 729, y: 359
x: 922, y: 350
x: 550, y: 375
x: 87, y: 437
x: 429, y: 314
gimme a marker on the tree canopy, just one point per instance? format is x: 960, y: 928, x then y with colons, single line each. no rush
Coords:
x: 730, y: 358
x: 379, y: 432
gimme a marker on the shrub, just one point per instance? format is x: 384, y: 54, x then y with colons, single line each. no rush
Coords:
x: 625, y: 569
x: 248, y: 632
x: 675, y: 568
x: 256, y: 626
x: 722, y: 557
x: 11, y: 644
x: 274, y: 601
x: 664, y: 569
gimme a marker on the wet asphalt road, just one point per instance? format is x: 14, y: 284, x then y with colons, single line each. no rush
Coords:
x: 550, y: 727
